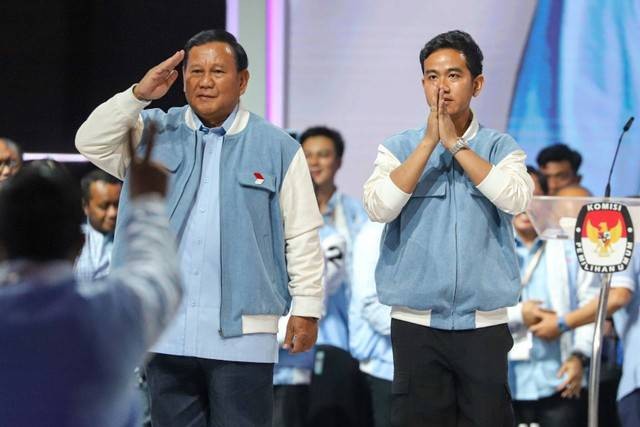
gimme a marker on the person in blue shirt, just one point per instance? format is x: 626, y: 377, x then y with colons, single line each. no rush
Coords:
x: 324, y: 149
x: 69, y: 347
x: 100, y: 198
x: 624, y: 305
x: 546, y: 377
x: 242, y: 206
x: 370, y: 324
x: 447, y: 191
x: 293, y: 372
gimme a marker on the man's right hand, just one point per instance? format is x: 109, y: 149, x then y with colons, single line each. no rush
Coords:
x: 529, y: 313
x: 145, y: 176
x: 156, y: 83
x: 432, y: 134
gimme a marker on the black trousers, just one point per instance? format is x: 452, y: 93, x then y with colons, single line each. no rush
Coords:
x: 194, y: 392
x: 338, y: 395
x: 380, y: 391
x: 552, y: 411
x: 290, y: 405
x: 450, y: 378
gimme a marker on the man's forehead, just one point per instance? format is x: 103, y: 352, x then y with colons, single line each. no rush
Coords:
x: 446, y: 57
x: 5, y: 152
x: 556, y: 165
x: 211, y: 51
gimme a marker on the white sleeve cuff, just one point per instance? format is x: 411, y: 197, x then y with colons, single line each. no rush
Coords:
x: 515, y: 314
x: 129, y: 104
x: 493, y: 184
x: 623, y: 282
x: 307, y: 306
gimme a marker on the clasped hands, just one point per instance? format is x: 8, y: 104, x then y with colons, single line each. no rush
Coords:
x: 440, y: 127
x: 543, y: 323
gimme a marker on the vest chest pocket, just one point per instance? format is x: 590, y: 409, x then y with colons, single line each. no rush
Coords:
x: 256, y: 192
x: 430, y: 188
x: 258, y: 181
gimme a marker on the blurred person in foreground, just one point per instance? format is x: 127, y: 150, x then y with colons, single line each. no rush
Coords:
x: 69, y: 347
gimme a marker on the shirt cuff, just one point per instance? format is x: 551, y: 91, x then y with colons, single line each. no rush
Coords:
x: 493, y: 184
x: 307, y: 306
x: 623, y: 282
x: 515, y: 314
x: 129, y: 104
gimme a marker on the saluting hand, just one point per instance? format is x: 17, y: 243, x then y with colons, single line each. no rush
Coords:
x: 156, y: 83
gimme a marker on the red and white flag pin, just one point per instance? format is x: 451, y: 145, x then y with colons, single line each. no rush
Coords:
x: 259, y: 178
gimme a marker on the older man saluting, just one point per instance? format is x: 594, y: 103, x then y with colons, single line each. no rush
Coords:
x: 242, y: 204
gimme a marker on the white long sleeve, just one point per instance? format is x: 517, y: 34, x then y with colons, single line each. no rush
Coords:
x: 508, y: 186
x: 302, y: 220
x: 103, y: 137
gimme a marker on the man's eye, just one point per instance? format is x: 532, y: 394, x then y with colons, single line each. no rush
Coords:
x: 196, y: 71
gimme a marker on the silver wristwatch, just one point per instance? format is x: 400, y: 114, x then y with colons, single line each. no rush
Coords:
x: 460, y: 144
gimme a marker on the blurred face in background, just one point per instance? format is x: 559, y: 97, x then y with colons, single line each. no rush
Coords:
x: 322, y: 159
x: 559, y: 174
x: 102, y: 206
x: 9, y: 162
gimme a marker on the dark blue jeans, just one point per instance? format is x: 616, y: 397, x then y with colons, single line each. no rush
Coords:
x: 194, y: 392
x: 629, y: 409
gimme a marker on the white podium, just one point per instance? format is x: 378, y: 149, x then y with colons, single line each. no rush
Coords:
x: 556, y: 218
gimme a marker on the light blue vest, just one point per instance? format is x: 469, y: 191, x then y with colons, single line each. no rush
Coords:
x: 254, y: 276
x: 450, y: 250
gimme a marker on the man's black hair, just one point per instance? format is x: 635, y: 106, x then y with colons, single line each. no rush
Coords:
x: 332, y: 134
x: 90, y: 178
x: 559, y: 153
x: 541, y: 178
x: 217, y: 35
x: 40, y: 213
x: 457, y: 40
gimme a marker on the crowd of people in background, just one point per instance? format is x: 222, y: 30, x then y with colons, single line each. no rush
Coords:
x: 346, y: 379
x: 123, y: 248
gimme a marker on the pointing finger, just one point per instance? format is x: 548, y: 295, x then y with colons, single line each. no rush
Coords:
x: 131, y: 149
x: 150, y: 142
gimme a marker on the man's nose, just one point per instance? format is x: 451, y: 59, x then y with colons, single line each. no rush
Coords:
x: 207, y: 80
x: 112, y: 212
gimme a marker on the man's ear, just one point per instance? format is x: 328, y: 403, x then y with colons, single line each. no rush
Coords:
x: 478, y: 83
x: 244, y: 80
